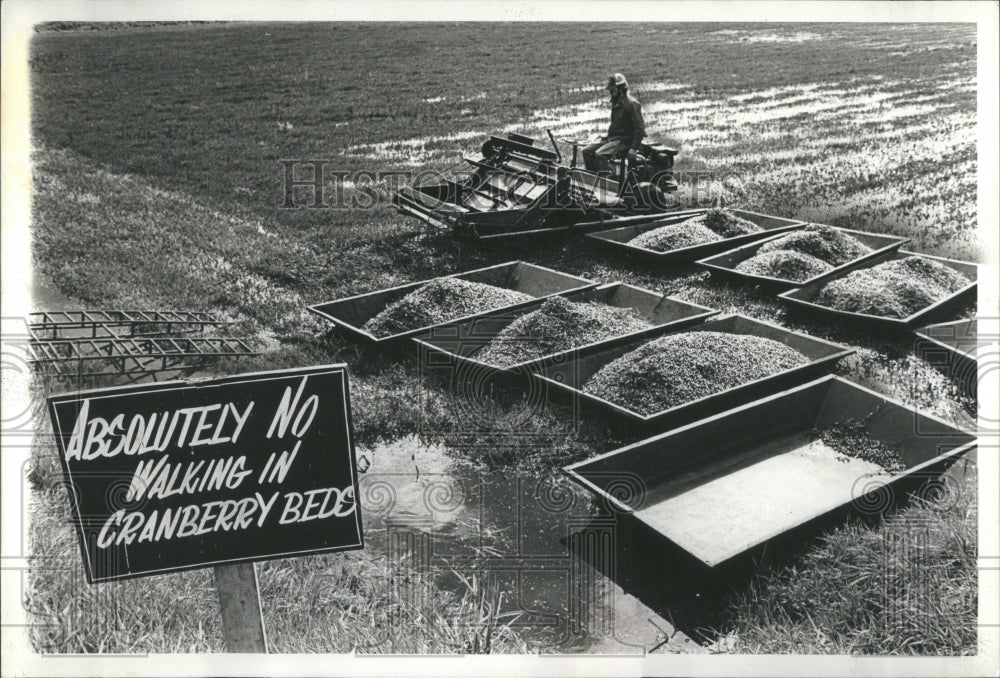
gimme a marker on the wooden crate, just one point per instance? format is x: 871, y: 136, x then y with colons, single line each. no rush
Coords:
x: 352, y: 313
x: 564, y: 381
x: 724, y: 265
x: 455, y: 345
x: 616, y: 239
x: 722, y: 488
x: 803, y: 299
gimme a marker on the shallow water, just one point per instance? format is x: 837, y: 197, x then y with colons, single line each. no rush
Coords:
x: 426, y: 510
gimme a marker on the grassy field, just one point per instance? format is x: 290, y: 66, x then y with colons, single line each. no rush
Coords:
x: 157, y: 184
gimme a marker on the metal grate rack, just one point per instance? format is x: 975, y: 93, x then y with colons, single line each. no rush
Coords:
x: 134, y: 343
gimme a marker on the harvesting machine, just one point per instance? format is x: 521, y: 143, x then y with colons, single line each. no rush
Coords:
x: 519, y: 188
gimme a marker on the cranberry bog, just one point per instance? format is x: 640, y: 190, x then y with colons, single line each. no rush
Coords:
x: 173, y: 166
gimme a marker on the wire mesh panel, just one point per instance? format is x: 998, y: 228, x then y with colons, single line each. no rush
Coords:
x: 101, y: 342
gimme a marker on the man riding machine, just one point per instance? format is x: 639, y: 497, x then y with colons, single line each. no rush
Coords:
x: 643, y: 171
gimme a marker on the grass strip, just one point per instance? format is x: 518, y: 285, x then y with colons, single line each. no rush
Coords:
x: 905, y: 586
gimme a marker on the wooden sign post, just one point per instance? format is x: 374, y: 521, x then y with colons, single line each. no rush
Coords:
x: 218, y: 473
x: 239, y: 601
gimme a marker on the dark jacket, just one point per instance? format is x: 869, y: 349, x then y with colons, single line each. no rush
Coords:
x: 626, y: 121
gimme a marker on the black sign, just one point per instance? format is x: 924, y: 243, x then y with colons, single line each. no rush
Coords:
x: 180, y: 475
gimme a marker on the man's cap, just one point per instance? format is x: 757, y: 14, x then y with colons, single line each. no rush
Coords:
x: 617, y: 79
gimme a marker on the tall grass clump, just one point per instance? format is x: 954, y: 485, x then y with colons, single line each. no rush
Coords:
x: 906, y: 587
